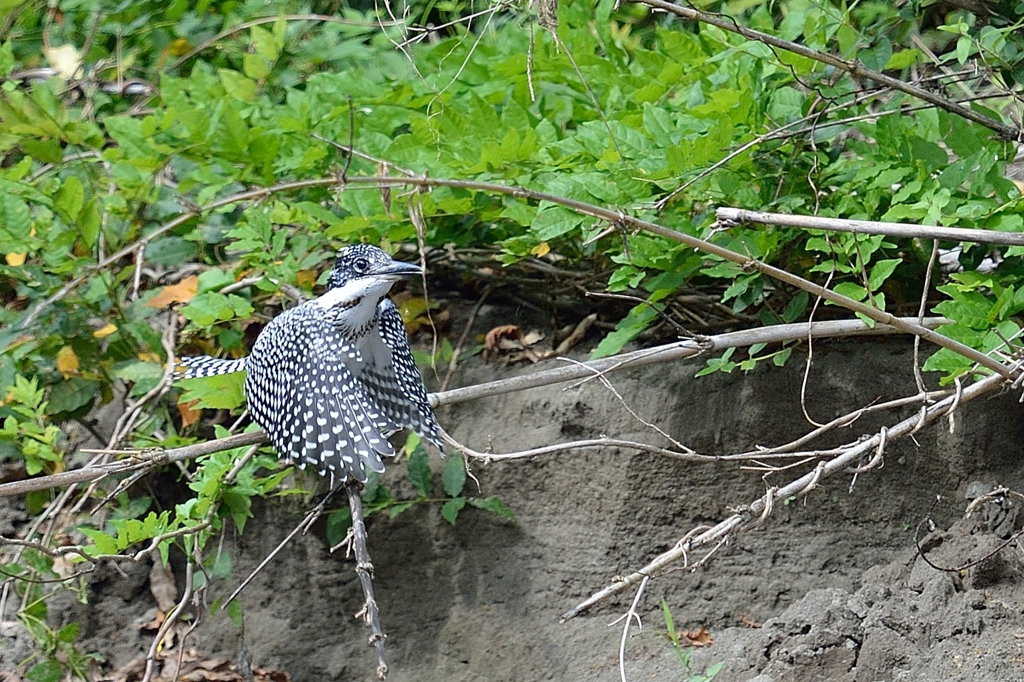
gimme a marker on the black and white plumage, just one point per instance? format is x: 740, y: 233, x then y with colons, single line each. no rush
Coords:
x: 329, y: 379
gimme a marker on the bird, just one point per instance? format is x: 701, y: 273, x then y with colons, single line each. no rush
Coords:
x: 331, y: 378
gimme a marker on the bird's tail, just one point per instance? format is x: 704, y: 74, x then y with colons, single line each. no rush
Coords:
x: 199, y: 366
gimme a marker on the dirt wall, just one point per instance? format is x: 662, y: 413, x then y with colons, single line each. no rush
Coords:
x: 832, y: 579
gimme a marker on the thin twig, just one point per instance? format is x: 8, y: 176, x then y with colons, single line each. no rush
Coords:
x: 603, y: 442
x: 454, y: 362
x: 922, y: 306
x: 308, y: 520
x: 629, y: 617
x: 170, y: 619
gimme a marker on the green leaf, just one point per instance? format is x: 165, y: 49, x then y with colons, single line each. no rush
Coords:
x: 628, y: 328
x: 494, y: 505
x: 419, y: 472
x: 48, y: 671
x: 222, y: 392
x: 170, y: 250
x: 69, y: 200
x: 210, y: 308
x: 68, y: 633
x: 779, y: 359
x: 237, y: 85
x: 555, y: 221
x: 453, y: 475
x: 851, y: 290
x: 14, y: 221
x: 880, y: 272
x: 450, y: 509
x: 89, y: 221
x: 101, y: 542
x: 71, y: 395
x: 720, y: 364
x: 264, y: 42
x: 234, y: 609
x: 255, y: 66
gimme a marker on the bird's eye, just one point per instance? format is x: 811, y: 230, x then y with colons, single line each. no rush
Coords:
x: 361, y: 265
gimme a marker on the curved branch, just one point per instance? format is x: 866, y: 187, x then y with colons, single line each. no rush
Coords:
x: 138, y: 460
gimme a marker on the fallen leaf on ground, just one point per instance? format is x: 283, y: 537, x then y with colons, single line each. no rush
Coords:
x: 699, y: 637
x: 161, y: 584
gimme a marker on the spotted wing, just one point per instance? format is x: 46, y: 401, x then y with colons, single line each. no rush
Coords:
x: 392, y: 379
x: 301, y: 389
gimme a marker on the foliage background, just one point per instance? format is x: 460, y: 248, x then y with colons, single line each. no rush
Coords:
x: 178, y: 158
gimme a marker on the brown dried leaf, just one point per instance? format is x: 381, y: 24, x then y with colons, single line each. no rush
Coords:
x: 157, y: 621
x: 271, y: 675
x: 503, y: 332
x: 503, y: 337
x: 188, y: 415
x: 699, y: 637
x: 182, y: 292
x: 161, y: 584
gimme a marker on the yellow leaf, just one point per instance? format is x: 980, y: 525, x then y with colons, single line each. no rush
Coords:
x: 179, y: 47
x: 412, y: 309
x: 65, y: 59
x: 16, y: 259
x: 540, y: 250
x: 105, y: 332
x: 67, y: 361
x: 182, y: 292
x: 150, y: 357
x: 305, y: 278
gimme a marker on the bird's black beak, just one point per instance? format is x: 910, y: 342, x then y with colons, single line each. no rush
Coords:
x: 397, y: 269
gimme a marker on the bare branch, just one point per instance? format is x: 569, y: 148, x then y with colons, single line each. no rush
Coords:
x: 138, y: 460
x: 672, y: 351
x: 901, y: 230
x: 364, y: 569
